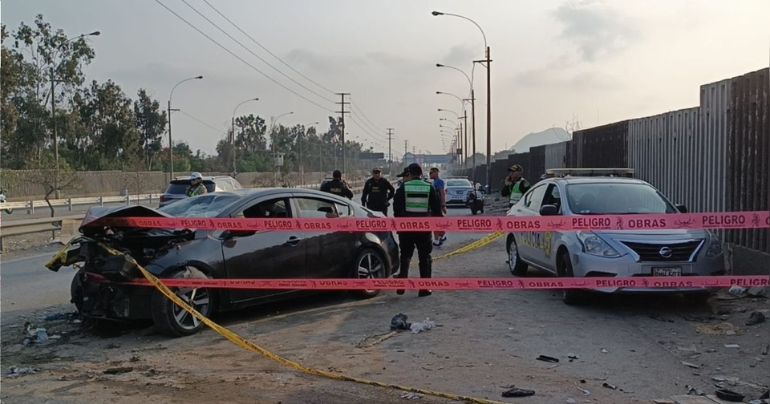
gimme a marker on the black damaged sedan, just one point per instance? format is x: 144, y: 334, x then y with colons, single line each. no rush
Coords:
x: 97, y: 291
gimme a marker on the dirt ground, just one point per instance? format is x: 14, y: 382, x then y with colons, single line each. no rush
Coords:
x: 624, y: 349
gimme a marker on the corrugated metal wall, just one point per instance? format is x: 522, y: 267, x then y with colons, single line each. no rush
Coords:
x: 556, y: 155
x: 748, y: 151
x: 602, y: 146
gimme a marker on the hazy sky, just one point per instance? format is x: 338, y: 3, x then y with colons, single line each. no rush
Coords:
x: 554, y: 61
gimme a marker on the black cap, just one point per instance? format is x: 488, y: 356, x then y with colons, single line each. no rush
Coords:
x: 405, y: 173
x: 337, y: 174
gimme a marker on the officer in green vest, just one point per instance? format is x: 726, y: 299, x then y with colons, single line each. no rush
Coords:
x: 196, y: 185
x: 415, y: 198
x: 515, y: 185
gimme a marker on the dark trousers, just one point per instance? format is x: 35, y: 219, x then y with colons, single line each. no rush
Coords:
x: 407, y: 242
x: 383, y: 209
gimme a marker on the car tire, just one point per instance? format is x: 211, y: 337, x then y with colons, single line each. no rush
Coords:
x: 174, y: 321
x: 369, y: 264
x: 76, y: 291
x: 564, y: 267
x: 515, y: 264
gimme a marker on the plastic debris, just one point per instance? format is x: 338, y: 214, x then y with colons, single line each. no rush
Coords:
x: 18, y: 372
x: 755, y: 318
x: 398, y: 322
x: 737, y: 291
x: 545, y: 358
x: 609, y: 386
x: 411, y: 396
x: 421, y: 326
x: 732, y: 346
x: 605, y: 351
x: 517, y: 392
x: 729, y: 395
x: 691, y: 365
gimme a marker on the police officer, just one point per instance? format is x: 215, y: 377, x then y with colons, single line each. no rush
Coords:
x: 196, y: 185
x: 515, y: 185
x: 337, y: 186
x: 377, y: 192
x: 415, y: 198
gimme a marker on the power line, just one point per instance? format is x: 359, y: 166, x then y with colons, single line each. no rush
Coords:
x: 361, y: 111
x: 242, y: 60
x: 367, y: 131
x: 252, y: 52
x: 267, y: 50
x: 200, y: 121
x: 369, y: 126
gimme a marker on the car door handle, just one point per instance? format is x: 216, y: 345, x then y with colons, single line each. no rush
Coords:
x: 293, y: 240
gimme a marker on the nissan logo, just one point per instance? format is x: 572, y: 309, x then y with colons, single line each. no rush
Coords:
x: 665, y: 252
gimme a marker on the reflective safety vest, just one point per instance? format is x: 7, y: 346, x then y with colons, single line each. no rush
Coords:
x: 417, y: 193
x: 516, y: 193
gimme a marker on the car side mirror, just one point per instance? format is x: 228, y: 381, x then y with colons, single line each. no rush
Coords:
x: 681, y: 208
x: 549, y: 210
x: 228, y: 234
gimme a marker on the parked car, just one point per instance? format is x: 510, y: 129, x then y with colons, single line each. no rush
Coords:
x: 97, y: 291
x: 177, y: 188
x: 609, y: 253
x: 460, y: 192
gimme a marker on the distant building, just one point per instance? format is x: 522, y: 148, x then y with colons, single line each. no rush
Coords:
x: 429, y: 160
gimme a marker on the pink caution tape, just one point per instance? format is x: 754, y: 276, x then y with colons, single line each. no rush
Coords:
x: 647, y: 282
x: 469, y: 224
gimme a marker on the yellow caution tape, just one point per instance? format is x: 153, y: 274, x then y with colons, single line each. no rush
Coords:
x: 250, y: 346
x: 472, y: 246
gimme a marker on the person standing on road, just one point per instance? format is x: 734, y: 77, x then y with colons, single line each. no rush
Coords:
x: 515, y: 185
x: 337, y: 186
x: 377, y: 192
x: 196, y: 185
x: 439, y: 237
x: 415, y: 198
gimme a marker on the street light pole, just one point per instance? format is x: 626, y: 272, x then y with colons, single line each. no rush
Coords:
x: 473, y: 115
x: 170, y: 142
x: 489, y: 96
x: 232, y: 132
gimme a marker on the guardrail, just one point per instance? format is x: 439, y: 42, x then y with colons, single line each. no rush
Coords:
x: 30, y: 206
x: 29, y: 226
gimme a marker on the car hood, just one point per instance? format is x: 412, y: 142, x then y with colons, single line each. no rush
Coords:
x: 95, y: 214
x: 654, y: 236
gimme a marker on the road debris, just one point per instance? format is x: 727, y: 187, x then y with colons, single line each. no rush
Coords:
x: 398, y: 322
x: 691, y: 365
x: 663, y: 401
x: 545, y: 358
x: 571, y: 401
x: 755, y: 318
x: 584, y: 391
x: 572, y: 357
x: 410, y: 396
x: 757, y: 292
x: 18, y: 372
x: 732, y: 346
x: 765, y: 349
x: 693, y: 391
x: 119, y: 370
x: 729, y: 395
x: 737, y: 291
x: 421, y: 326
x: 517, y: 392
x: 604, y: 351
x: 609, y: 386
x: 716, y: 329
x: 375, y: 339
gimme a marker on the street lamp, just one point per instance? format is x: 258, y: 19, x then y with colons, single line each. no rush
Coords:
x: 53, y: 108
x: 170, y: 142
x: 465, y: 124
x: 473, y: 115
x: 232, y: 130
x: 488, y: 61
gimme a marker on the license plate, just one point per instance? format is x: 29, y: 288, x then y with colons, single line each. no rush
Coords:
x: 666, y: 271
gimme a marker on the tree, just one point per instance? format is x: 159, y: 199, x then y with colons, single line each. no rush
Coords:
x: 40, y: 60
x: 52, y: 180
x: 151, y: 124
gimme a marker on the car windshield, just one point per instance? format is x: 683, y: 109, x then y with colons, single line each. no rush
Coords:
x: 459, y: 183
x: 209, y: 205
x: 180, y: 187
x: 616, y: 198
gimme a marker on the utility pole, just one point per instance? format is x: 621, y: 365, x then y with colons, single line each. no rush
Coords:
x: 390, y: 153
x: 406, y: 148
x: 342, y: 113
x: 465, y: 145
x: 487, y: 62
